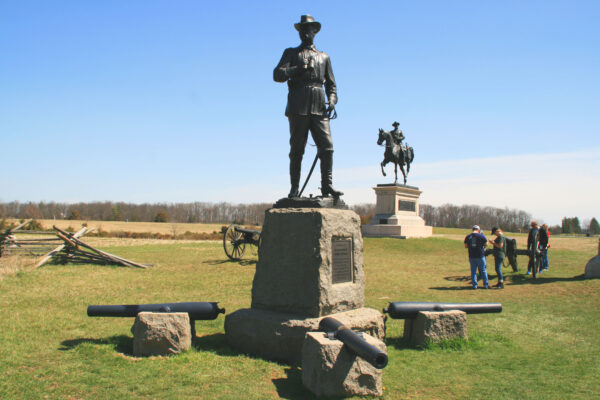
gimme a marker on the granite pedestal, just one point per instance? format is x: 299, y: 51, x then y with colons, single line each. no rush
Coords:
x: 310, y: 266
x: 397, y: 214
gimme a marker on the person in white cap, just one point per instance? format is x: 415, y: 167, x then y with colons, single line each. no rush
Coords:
x: 475, y: 242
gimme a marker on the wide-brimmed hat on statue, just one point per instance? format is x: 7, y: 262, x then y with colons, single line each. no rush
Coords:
x: 307, y: 20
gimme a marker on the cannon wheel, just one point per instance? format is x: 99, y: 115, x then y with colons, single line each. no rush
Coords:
x: 233, y: 243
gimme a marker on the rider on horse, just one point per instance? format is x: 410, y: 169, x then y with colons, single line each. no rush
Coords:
x: 399, y: 154
x: 397, y: 134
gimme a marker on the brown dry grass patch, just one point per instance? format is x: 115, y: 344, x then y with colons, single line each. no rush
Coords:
x: 11, y: 265
x: 172, y: 228
x: 100, y: 242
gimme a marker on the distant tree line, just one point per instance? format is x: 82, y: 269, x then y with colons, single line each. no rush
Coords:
x: 594, y: 227
x: 446, y: 215
x: 570, y: 225
x: 158, y: 212
x: 465, y: 216
x: 573, y: 226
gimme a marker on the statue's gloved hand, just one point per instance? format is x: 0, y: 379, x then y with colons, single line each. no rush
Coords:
x: 330, y: 111
x: 332, y: 97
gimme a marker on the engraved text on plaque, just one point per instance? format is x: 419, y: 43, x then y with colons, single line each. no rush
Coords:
x: 404, y: 205
x: 341, y: 260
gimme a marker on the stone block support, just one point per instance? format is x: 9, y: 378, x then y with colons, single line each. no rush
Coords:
x: 161, y: 334
x: 435, y: 326
x: 331, y: 369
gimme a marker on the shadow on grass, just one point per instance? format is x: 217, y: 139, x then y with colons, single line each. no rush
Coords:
x: 517, y: 279
x: 291, y: 386
x: 541, y: 279
x: 460, y: 278
x: 122, y: 343
x: 454, y: 344
x: 215, y: 343
x: 242, y: 262
x: 399, y: 343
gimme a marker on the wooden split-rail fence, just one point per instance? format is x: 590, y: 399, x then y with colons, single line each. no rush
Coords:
x: 59, y: 246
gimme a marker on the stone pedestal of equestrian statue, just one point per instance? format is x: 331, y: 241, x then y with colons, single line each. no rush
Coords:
x: 397, y: 213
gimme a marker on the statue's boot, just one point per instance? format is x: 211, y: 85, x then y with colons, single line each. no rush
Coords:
x: 326, y: 166
x: 295, y: 168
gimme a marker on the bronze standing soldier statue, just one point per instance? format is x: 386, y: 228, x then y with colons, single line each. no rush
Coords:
x: 306, y: 70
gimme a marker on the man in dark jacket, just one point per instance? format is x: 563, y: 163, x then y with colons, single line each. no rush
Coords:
x: 306, y: 70
x: 475, y: 242
x: 532, y: 240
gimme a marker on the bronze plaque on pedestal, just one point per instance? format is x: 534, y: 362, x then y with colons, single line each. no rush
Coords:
x: 341, y: 260
x: 405, y: 205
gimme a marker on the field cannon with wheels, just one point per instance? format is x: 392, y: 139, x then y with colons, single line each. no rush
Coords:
x: 236, y: 238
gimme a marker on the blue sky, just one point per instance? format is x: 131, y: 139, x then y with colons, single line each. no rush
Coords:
x: 148, y: 101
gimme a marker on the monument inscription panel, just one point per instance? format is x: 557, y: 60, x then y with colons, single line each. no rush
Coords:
x: 341, y: 260
x: 404, y: 205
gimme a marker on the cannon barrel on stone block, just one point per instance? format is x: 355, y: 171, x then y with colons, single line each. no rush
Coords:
x: 196, y: 310
x: 354, y: 341
x: 410, y: 309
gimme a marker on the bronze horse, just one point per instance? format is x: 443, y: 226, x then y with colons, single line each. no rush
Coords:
x: 400, y: 155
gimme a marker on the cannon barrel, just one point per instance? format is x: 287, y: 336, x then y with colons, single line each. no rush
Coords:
x: 354, y: 341
x: 196, y: 310
x: 410, y: 309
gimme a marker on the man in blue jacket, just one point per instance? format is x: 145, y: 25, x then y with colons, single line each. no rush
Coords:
x: 475, y: 242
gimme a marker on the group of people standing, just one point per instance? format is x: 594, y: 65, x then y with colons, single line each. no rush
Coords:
x: 542, y: 234
x: 476, y: 242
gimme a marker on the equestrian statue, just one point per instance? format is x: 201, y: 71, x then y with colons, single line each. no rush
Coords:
x: 395, y: 151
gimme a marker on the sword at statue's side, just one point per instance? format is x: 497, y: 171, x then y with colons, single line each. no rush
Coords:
x: 331, y: 114
x: 312, y: 168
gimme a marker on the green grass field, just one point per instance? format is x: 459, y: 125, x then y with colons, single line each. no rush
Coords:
x: 544, y: 345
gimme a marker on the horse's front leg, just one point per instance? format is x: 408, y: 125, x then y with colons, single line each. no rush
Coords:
x: 395, y: 173
x: 383, y: 165
x: 403, y: 173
